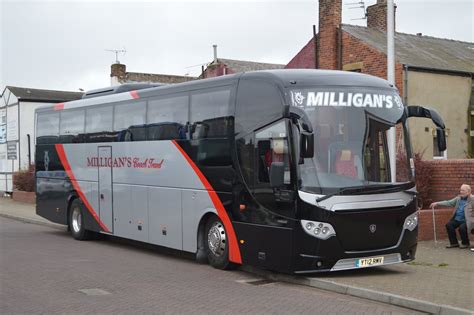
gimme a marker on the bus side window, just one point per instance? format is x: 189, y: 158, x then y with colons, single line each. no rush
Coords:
x: 167, y: 118
x: 99, y: 125
x: 272, y: 146
x: 47, y: 128
x: 210, y: 110
x: 129, y: 121
x: 71, y: 126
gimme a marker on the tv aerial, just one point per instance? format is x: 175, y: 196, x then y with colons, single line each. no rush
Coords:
x: 358, y: 5
x: 117, y: 51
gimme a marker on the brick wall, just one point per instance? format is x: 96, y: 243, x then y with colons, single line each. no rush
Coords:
x: 447, y: 177
x: 374, y: 61
x: 304, y: 59
x: 216, y: 70
x: 24, y: 196
x: 425, y: 227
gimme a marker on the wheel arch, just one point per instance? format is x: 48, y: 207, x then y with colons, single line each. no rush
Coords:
x: 71, y: 197
x: 200, y: 250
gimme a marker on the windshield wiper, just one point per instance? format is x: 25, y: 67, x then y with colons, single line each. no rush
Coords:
x: 352, y: 190
x: 344, y: 191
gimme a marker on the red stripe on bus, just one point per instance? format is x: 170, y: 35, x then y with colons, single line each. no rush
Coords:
x: 67, y: 168
x: 59, y: 106
x: 234, y: 250
x: 134, y: 94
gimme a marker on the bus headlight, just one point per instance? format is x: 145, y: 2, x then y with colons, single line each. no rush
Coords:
x: 319, y: 230
x: 411, y: 222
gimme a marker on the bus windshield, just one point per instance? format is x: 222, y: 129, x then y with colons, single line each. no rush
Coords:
x: 350, y: 140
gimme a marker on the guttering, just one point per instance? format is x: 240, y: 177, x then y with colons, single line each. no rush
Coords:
x: 442, y: 71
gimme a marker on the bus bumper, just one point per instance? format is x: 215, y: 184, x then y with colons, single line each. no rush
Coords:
x: 328, y: 255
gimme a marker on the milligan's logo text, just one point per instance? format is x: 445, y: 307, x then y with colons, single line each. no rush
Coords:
x: 126, y: 161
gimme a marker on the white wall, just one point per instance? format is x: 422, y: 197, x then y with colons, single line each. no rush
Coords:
x: 17, y: 131
x: 27, y: 126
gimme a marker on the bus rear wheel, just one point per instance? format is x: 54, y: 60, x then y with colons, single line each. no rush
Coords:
x: 217, y: 245
x: 76, y: 221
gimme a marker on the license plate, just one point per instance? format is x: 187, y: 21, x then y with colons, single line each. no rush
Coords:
x: 369, y: 262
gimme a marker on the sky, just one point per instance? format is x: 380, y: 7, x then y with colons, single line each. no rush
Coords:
x: 62, y: 45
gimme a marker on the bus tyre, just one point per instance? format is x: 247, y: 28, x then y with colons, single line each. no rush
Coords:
x: 216, y: 244
x: 76, y: 221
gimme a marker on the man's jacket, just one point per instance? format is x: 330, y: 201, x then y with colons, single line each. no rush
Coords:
x: 468, y: 209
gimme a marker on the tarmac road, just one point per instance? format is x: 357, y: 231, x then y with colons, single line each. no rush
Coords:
x: 44, y: 270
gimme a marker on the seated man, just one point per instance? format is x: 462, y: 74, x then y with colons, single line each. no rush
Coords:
x: 462, y: 217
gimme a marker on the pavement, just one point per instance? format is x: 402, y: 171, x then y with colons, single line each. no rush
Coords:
x: 438, y: 281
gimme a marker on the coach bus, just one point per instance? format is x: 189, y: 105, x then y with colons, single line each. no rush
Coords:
x: 286, y: 170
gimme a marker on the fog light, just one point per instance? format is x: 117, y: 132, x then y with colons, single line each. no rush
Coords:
x: 321, y: 230
x: 319, y: 264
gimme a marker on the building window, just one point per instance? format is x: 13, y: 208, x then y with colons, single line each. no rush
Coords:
x: 437, y: 155
x: 353, y: 67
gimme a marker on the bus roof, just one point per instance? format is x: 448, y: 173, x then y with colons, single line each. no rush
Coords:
x: 284, y: 78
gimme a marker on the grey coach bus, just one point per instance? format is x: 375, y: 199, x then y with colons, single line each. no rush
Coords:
x: 286, y: 170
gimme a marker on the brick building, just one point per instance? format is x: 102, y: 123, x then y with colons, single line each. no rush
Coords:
x: 429, y: 71
x: 119, y: 75
x: 229, y: 66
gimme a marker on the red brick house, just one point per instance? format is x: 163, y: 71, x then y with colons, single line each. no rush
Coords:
x: 120, y: 75
x: 429, y: 71
x: 222, y: 66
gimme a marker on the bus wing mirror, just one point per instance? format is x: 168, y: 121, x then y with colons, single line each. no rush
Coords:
x: 420, y: 111
x: 277, y: 173
x: 299, y: 114
x: 306, y: 145
x: 441, y: 138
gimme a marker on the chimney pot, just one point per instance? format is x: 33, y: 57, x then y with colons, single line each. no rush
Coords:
x: 215, y: 53
x: 419, y: 34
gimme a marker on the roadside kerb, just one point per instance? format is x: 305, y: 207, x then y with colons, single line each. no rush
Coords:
x: 33, y: 221
x: 368, y: 294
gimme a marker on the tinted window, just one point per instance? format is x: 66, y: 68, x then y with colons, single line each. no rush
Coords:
x: 209, y: 113
x: 99, y: 119
x: 47, y: 128
x: 99, y: 125
x: 258, y: 103
x: 71, y: 125
x: 167, y: 118
x: 129, y: 120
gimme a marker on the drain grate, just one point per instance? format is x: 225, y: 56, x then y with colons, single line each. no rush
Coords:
x: 94, y: 292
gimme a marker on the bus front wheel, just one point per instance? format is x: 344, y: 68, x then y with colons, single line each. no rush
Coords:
x: 216, y: 243
x: 76, y: 221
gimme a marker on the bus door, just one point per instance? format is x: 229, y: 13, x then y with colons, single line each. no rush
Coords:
x: 105, y: 187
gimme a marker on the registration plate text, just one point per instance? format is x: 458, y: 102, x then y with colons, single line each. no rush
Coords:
x: 369, y: 262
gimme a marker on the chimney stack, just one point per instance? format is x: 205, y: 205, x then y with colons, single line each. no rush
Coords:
x: 330, y: 17
x: 117, y: 73
x: 377, y: 15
